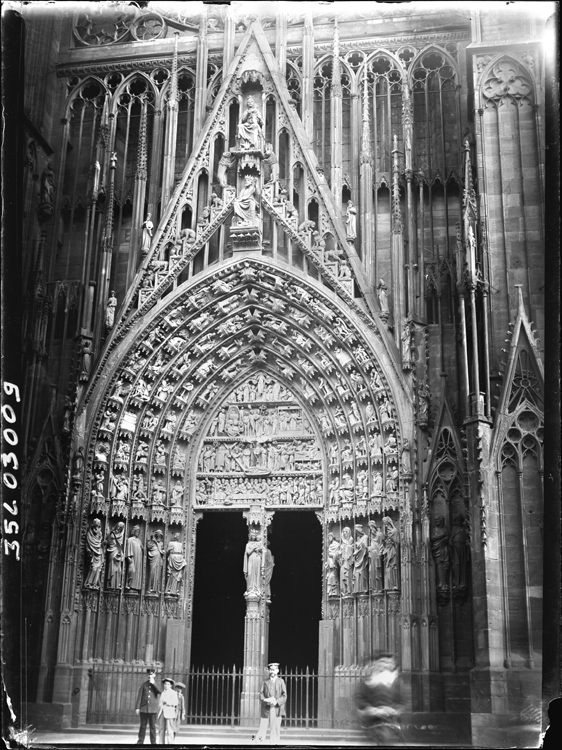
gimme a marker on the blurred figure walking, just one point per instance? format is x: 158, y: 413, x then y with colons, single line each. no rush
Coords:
x: 378, y: 700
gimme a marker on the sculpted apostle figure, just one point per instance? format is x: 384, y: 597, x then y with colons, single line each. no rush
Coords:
x: 114, y: 544
x: 155, y: 551
x: 94, y: 555
x: 250, y: 126
x: 134, y: 560
x: 346, y: 562
x: 375, y: 557
x: 333, y: 566
x: 390, y: 552
x: 360, y: 561
x: 176, y: 564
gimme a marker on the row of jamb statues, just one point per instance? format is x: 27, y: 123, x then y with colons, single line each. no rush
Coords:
x: 366, y: 563
x: 124, y: 560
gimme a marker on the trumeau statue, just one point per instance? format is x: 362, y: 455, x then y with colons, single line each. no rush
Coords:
x: 253, y: 564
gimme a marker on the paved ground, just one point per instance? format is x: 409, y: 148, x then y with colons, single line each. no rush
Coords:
x: 206, y: 738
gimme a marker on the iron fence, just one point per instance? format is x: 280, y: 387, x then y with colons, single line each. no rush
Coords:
x: 213, y: 696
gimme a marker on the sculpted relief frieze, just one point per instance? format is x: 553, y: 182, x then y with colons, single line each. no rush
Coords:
x: 249, y: 388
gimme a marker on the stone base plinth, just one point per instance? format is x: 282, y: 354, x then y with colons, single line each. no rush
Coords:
x: 245, y: 239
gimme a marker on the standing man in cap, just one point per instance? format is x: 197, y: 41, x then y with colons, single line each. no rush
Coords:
x: 148, y: 703
x: 168, y: 707
x: 273, y: 696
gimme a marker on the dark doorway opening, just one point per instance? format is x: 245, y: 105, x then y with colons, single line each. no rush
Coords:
x: 296, y: 589
x: 219, y: 606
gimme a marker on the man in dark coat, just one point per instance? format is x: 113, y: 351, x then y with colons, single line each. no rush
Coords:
x: 273, y: 696
x: 148, y: 703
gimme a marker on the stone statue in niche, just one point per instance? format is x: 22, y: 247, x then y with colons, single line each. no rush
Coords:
x: 120, y: 488
x: 250, y: 127
x: 441, y: 554
x: 159, y: 493
x: 175, y: 566
x: 109, y: 423
x: 205, y: 218
x: 406, y: 462
x: 177, y: 494
x: 134, y: 555
x: 351, y: 222
x: 346, y: 562
x: 139, y: 494
x: 78, y: 464
x: 47, y: 190
x: 460, y: 551
x: 376, y: 546
x: 147, y: 229
x: 114, y: 544
x: 360, y: 561
x: 245, y: 204
x: 110, y: 311
x: 332, y: 566
x: 155, y: 551
x: 392, y: 480
x: 87, y: 353
x: 216, y: 202
x: 407, y: 346
x: 423, y: 404
x: 333, y: 491
x: 149, y: 421
x: 382, y: 294
x: 94, y: 555
x: 253, y: 564
x: 99, y: 478
x: 271, y: 163
x: 225, y: 163
x: 390, y: 554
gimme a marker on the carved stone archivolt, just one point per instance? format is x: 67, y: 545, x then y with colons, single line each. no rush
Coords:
x: 249, y: 388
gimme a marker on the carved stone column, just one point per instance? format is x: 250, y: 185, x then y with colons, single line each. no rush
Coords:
x: 256, y: 636
x: 256, y: 622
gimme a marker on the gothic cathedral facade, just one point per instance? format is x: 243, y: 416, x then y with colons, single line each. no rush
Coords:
x: 286, y: 261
